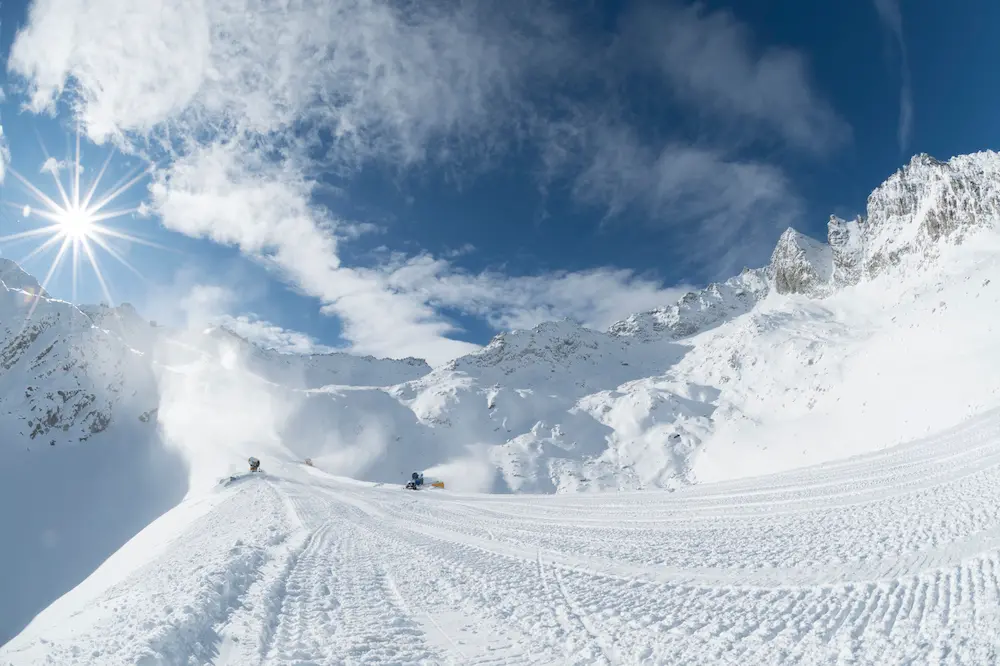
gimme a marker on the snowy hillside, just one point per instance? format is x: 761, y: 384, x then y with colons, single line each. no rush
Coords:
x: 889, y: 558
x: 82, y: 472
x: 107, y: 421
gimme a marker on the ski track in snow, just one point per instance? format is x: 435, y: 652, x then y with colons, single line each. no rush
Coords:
x: 888, y: 558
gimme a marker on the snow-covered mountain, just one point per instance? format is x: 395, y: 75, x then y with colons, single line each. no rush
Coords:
x: 559, y: 406
x: 833, y: 348
x: 881, y: 334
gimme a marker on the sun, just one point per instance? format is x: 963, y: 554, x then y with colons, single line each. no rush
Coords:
x: 76, y: 224
x: 77, y: 221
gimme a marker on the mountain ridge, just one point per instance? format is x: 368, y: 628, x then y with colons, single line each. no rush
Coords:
x: 925, y: 203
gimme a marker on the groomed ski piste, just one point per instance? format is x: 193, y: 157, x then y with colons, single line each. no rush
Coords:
x: 889, y: 558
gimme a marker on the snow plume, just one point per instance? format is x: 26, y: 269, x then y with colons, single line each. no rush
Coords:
x: 357, y: 432
x: 473, y: 472
x: 213, y: 410
x: 354, y: 456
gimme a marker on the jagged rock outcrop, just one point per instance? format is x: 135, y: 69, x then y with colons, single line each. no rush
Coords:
x: 927, y: 201
x: 62, y: 379
x: 799, y: 264
x: 923, y: 204
x: 551, y: 344
x: 15, y: 278
x: 847, y: 250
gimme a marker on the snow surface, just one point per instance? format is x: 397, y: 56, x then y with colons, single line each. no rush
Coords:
x: 886, y: 558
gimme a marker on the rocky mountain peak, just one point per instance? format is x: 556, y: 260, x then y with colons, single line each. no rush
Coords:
x: 14, y: 277
x: 799, y: 264
x: 921, y: 205
x: 551, y: 342
x: 925, y: 202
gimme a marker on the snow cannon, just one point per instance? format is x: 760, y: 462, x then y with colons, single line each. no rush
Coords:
x: 254, y: 464
x: 308, y: 461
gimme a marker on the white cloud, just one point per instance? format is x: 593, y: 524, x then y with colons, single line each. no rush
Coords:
x: 53, y: 166
x: 596, y: 298
x: 202, y: 302
x: 271, y: 336
x: 711, y: 61
x: 353, y: 230
x: 136, y: 64
x: 254, y: 103
x: 4, y: 153
x: 383, y: 78
x: 391, y: 311
x: 232, y: 197
x: 891, y: 16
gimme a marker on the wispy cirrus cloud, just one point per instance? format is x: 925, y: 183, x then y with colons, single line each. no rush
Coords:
x: 891, y: 15
x: 392, y: 310
x: 713, y: 64
x: 263, y: 208
x: 725, y: 205
x: 725, y: 208
x: 595, y: 298
x: 378, y: 79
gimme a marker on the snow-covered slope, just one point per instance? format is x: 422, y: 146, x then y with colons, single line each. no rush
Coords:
x: 107, y: 421
x: 81, y: 472
x: 889, y: 558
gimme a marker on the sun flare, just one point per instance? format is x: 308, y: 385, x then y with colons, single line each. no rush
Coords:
x: 77, y: 220
x: 75, y: 224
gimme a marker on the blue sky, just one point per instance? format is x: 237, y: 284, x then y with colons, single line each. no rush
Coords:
x: 405, y: 178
